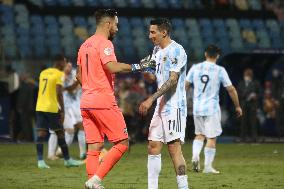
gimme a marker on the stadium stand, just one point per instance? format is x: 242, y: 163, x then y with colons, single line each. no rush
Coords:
x: 65, y: 32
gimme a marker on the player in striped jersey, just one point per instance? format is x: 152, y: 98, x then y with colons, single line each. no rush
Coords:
x: 169, y: 120
x: 73, y: 119
x: 206, y: 78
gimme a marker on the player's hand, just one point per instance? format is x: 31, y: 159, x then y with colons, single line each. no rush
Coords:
x: 239, y: 111
x: 145, y: 106
x: 146, y: 64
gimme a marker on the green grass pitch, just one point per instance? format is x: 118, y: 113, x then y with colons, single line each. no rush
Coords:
x: 241, y: 165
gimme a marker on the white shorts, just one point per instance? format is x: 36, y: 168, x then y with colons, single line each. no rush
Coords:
x: 210, y: 126
x: 167, y: 126
x: 72, y: 117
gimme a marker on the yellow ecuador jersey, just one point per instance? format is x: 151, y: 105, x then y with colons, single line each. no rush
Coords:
x: 47, y: 95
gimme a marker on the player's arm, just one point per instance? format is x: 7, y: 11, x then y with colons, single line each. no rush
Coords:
x: 234, y: 96
x: 72, y: 87
x: 117, y: 67
x: 171, y: 83
x: 145, y: 65
x: 59, y: 92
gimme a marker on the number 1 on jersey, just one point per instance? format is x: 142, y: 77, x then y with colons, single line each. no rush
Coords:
x: 87, y: 66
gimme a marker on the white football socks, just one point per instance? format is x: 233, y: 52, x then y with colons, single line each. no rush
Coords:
x: 69, y: 138
x: 182, y: 182
x: 52, y: 144
x: 154, y: 168
x: 209, y: 154
x: 196, y: 149
x: 81, y: 142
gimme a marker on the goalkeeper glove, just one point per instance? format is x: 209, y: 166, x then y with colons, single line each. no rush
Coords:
x: 145, y: 64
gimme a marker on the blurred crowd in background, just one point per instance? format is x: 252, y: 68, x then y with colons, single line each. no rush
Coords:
x: 250, y: 33
x: 262, y: 103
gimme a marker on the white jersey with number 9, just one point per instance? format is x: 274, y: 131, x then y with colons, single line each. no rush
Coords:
x: 206, y: 78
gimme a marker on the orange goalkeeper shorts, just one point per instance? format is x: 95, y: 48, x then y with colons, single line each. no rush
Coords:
x: 99, y: 123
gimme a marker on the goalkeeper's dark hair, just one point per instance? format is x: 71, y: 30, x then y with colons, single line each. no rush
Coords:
x: 102, y: 13
x: 163, y: 24
x: 213, y: 51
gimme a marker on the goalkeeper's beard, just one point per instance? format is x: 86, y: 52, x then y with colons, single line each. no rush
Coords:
x: 111, y: 36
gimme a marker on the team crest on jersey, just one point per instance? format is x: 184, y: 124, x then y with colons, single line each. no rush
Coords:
x: 165, y: 59
x: 174, y: 61
x: 107, y: 51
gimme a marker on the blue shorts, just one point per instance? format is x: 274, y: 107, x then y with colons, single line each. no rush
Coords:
x: 46, y: 121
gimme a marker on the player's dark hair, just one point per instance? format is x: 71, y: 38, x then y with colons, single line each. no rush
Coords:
x: 213, y: 51
x: 102, y: 13
x: 163, y: 24
x: 58, y: 58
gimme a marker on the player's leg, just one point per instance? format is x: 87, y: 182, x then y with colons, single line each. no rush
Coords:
x: 41, y: 134
x: 155, y: 145
x: 198, y: 141
x: 110, y: 159
x: 68, y: 162
x: 94, y: 140
x: 52, y: 145
x: 54, y: 124
x: 175, y: 152
x: 81, y: 140
x: 69, y: 131
x: 197, y: 146
x: 110, y: 122
x: 113, y: 125
x: 154, y: 164
x: 213, y: 129
x: 209, y: 154
x: 174, y: 124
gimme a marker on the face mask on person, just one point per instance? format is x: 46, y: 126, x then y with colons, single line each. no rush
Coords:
x: 247, y: 79
x: 141, y: 84
x: 275, y: 73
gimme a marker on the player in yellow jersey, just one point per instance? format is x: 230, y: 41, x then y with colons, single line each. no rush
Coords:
x: 50, y: 110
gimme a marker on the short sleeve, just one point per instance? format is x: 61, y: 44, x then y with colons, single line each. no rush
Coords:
x: 107, y: 52
x: 225, y: 80
x: 189, y: 76
x: 178, y: 59
x: 60, y: 78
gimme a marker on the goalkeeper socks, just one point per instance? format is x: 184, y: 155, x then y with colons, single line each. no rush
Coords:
x: 111, y: 158
x: 92, y: 162
x: 69, y: 138
x: 209, y: 154
x: 52, y: 144
x: 39, y: 147
x: 81, y: 142
x: 196, y: 149
x: 64, y: 148
x: 182, y: 182
x: 154, y: 167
